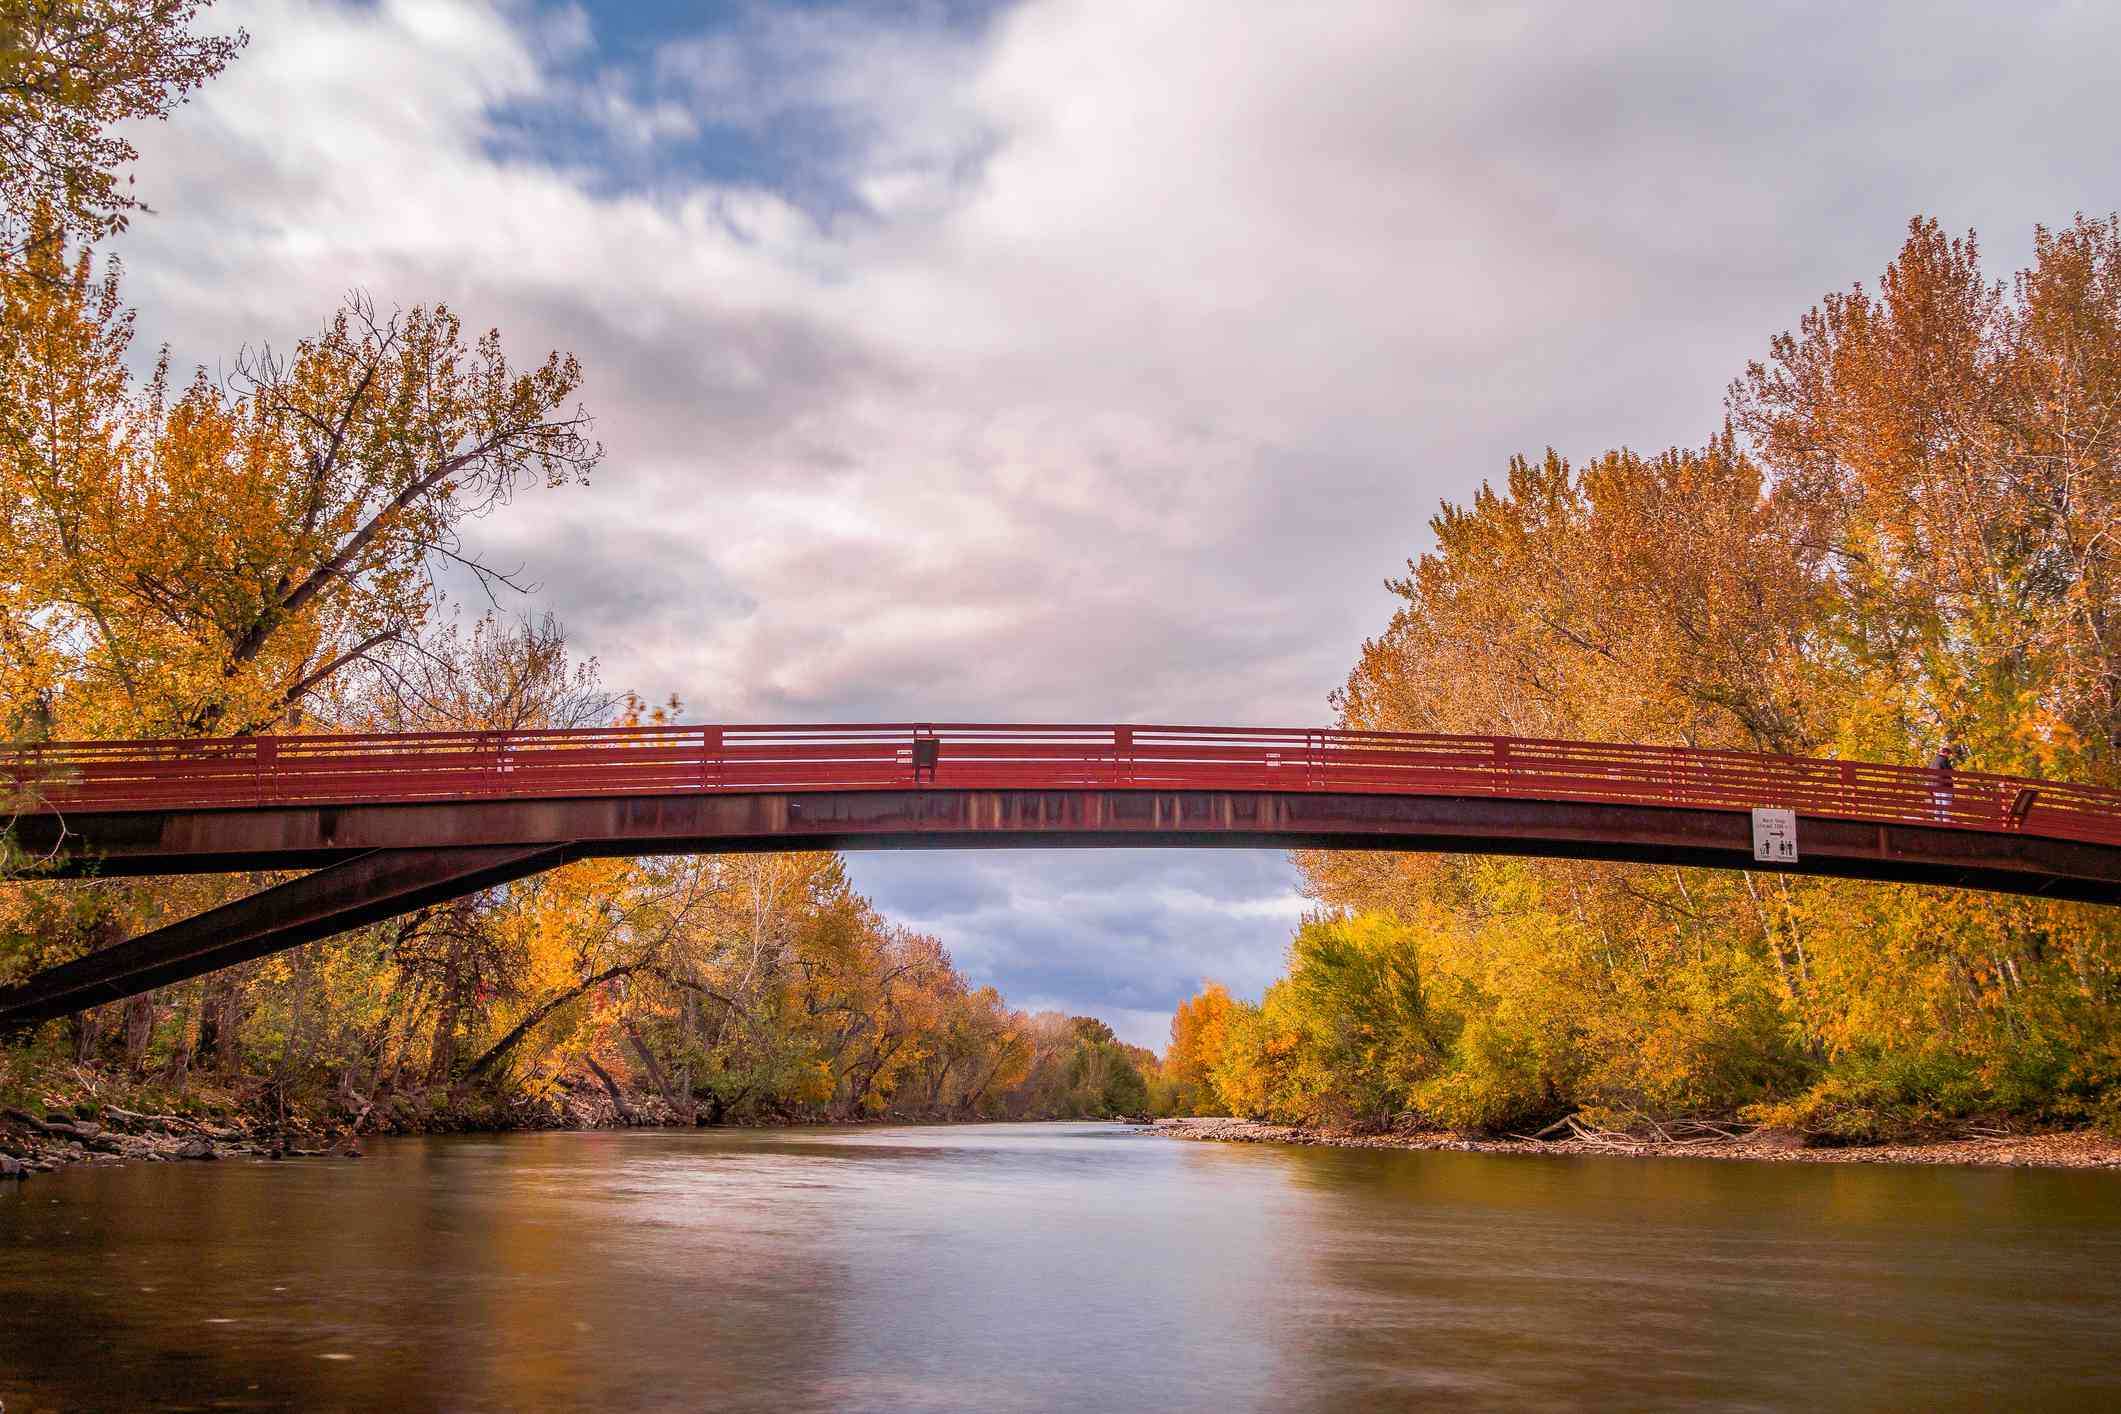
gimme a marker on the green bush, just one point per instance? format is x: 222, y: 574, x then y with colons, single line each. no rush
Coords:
x: 1498, y: 1081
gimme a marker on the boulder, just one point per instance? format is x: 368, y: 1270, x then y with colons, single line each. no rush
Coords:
x: 12, y: 1167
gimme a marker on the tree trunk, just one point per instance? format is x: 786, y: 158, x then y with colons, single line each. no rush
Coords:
x: 178, y: 1068
x: 442, y: 1050
x: 305, y: 975
x: 935, y: 1085
x: 968, y: 1103
x: 220, y: 1016
x: 873, y: 1068
x: 85, y: 1029
x: 618, y: 1097
x: 139, y: 1030
x: 681, y: 1104
x: 516, y: 1033
x: 208, y: 1049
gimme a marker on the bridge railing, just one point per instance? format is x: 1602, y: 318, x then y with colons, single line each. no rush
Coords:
x: 249, y: 772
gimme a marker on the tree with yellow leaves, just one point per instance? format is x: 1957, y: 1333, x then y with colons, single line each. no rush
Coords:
x: 1199, y: 1033
x: 215, y: 559
x: 1904, y: 534
x: 69, y: 71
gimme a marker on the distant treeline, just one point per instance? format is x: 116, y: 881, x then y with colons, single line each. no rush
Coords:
x: 1901, y: 541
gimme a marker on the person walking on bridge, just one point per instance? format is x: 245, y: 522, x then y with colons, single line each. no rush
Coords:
x: 1948, y: 756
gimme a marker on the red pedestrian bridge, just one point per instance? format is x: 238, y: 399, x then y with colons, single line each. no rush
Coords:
x: 390, y: 823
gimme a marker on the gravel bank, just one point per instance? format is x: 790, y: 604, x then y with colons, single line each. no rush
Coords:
x: 2079, y: 1149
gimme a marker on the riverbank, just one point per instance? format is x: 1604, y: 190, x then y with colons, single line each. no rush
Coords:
x: 2077, y: 1149
x: 51, y: 1117
x: 56, y: 1115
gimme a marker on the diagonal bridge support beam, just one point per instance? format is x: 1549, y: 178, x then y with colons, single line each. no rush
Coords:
x: 380, y: 884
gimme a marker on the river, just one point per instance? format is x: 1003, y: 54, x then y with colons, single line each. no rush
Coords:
x: 1010, y: 1267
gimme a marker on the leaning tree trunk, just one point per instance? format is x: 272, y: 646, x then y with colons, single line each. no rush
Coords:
x: 500, y: 1049
x: 611, y: 1087
x: 681, y: 1105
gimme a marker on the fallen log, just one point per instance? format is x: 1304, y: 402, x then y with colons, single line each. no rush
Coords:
x: 52, y: 1131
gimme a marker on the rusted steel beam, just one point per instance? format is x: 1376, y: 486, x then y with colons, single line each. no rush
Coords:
x: 378, y: 861
x: 202, y: 841
x: 74, y: 778
x: 365, y: 889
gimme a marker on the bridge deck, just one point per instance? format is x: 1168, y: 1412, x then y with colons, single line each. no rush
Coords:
x: 266, y: 772
x: 396, y: 822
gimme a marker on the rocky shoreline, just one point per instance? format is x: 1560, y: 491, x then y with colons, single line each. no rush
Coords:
x: 30, y: 1145
x: 77, y: 1127
x: 2076, y: 1149
x: 83, y: 1131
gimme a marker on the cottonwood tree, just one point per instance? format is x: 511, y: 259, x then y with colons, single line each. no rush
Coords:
x: 223, y: 559
x: 448, y: 963
x: 1952, y: 447
x: 69, y: 71
x: 207, y: 562
x: 1905, y: 533
x: 1076, y: 1068
x: 976, y: 1052
x: 1199, y: 1031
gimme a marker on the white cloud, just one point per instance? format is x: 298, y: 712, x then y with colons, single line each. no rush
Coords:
x: 1285, y: 908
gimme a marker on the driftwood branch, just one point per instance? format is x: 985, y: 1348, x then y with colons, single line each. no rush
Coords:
x: 1644, y: 1132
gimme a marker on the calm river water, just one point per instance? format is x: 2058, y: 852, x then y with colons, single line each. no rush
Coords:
x: 1049, y: 1267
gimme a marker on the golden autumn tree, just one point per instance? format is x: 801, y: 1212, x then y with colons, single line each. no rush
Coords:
x: 455, y: 964
x: 224, y: 559
x: 215, y: 558
x: 67, y: 425
x: 70, y: 70
x: 212, y: 560
x: 260, y: 554
x: 1199, y: 1032
x: 1902, y: 536
x: 1947, y: 446
x: 980, y: 1051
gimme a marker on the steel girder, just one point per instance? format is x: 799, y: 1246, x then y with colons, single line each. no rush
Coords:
x: 375, y: 861
x: 373, y: 886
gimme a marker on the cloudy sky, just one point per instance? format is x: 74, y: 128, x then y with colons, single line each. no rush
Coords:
x: 1083, y: 361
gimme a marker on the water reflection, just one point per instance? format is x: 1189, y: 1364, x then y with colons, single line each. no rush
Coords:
x: 1037, y: 1267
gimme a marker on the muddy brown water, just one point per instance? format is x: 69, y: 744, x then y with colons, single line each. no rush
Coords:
x: 1033, y: 1267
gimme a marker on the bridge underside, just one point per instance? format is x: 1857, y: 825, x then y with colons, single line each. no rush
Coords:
x: 377, y: 861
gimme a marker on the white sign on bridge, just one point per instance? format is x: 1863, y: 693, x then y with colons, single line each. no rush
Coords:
x: 1775, y: 836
